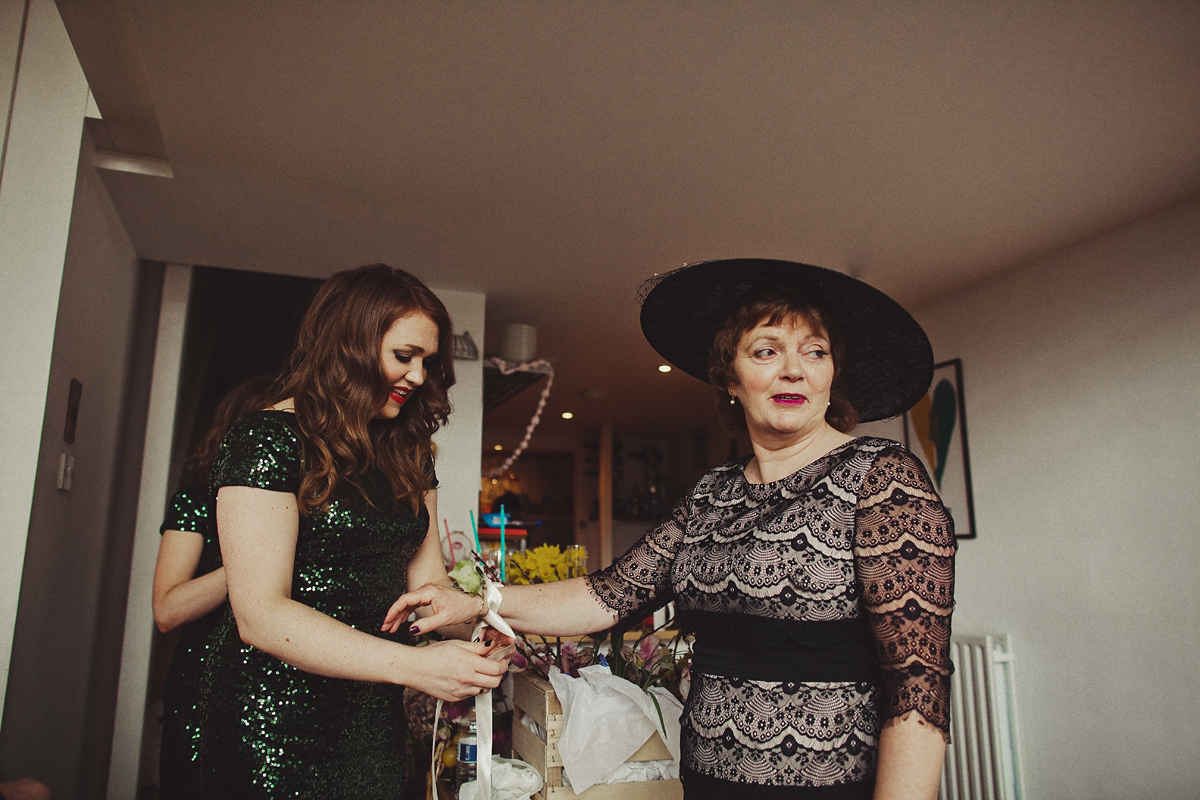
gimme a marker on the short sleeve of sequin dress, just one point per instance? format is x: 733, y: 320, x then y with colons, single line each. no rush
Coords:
x: 273, y: 730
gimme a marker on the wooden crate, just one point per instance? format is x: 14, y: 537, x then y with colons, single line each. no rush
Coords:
x: 535, y: 696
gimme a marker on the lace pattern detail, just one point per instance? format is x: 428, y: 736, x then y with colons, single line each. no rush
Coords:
x: 780, y: 734
x: 859, y: 532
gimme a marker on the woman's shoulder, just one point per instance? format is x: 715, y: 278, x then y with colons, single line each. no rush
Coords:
x: 190, y: 497
x: 878, y: 447
x: 268, y: 427
x: 886, y: 461
x: 189, y: 510
x: 729, y: 471
x: 263, y: 448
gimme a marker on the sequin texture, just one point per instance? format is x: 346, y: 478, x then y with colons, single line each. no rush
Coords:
x: 190, y: 510
x: 270, y: 729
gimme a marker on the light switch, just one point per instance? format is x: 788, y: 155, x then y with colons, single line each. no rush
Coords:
x: 66, y: 466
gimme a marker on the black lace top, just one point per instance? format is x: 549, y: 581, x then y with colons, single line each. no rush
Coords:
x: 820, y: 604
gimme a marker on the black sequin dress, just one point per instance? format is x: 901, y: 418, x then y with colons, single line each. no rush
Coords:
x: 190, y: 510
x: 820, y: 605
x: 272, y: 730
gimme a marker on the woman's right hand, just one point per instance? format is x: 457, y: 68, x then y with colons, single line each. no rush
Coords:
x: 437, y: 605
x: 452, y: 670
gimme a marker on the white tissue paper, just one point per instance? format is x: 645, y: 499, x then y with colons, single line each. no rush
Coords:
x: 511, y: 780
x: 606, y: 719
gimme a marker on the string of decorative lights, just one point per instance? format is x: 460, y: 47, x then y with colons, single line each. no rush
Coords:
x: 507, y: 368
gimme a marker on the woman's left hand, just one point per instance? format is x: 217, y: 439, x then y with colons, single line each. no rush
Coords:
x: 447, y: 606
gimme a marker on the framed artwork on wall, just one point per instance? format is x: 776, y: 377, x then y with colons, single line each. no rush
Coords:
x: 935, y: 430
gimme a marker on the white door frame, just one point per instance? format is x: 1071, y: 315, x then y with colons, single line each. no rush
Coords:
x: 152, y: 499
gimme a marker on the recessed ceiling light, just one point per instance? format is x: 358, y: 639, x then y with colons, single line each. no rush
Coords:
x: 664, y: 368
x: 568, y: 415
x: 498, y: 447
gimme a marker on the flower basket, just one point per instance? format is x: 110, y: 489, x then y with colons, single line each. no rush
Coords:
x: 535, y: 696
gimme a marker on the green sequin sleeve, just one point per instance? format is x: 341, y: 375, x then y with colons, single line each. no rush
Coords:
x: 187, y: 511
x: 261, y: 451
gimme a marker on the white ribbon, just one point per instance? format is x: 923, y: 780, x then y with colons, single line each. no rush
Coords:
x: 483, y: 702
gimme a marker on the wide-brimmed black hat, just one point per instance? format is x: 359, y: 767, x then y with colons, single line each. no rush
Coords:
x: 887, y: 361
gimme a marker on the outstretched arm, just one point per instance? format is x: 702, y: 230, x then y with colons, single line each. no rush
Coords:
x: 258, y: 532
x: 561, y: 608
x: 427, y: 568
x: 564, y: 608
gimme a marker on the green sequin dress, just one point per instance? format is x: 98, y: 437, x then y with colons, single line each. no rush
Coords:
x: 190, y: 510
x: 272, y: 730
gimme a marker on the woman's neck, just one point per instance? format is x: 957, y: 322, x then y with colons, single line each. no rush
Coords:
x: 773, y: 461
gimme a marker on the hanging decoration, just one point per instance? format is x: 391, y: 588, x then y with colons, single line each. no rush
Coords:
x: 507, y: 368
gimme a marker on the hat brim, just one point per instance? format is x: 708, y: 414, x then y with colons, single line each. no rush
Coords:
x: 887, y: 361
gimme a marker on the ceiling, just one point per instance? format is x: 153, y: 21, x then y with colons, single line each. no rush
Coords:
x: 554, y: 154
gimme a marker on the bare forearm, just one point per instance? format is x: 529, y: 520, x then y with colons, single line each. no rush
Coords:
x: 910, y: 759
x: 561, y: 608
x: 190, y: 600
x: 314, y: 642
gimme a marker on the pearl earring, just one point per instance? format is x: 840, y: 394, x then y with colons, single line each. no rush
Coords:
x: 732, y: 400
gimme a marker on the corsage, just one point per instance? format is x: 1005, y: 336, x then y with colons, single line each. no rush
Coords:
x: 469, y: 578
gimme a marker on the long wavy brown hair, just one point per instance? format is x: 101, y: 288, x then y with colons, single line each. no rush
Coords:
x: 770, y: 307
x: 336, y: 380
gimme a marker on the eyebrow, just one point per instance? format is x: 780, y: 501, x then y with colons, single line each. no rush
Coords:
x: 415, y: 349
x: 768, y: 333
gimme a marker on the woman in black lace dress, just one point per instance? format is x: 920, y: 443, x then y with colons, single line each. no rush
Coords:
x: 817, y: 574
x: 326, y: 510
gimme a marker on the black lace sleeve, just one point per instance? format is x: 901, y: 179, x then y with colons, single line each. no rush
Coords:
x: 641, y: 577
x: 904, y: 560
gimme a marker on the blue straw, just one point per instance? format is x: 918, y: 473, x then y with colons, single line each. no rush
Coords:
x: 475, y: 530
x: 503, y: 551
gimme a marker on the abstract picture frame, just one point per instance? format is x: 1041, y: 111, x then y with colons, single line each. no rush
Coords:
x: 935, y: 431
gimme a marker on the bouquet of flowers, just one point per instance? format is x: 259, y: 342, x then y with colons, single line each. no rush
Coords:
x: 542, y: 564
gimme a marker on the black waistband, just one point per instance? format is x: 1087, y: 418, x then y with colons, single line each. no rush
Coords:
x: 850, y: 657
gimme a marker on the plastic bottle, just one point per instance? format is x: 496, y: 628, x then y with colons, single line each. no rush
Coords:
x: 467, y: 752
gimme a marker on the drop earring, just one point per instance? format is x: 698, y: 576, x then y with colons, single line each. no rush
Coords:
x: 732, y: 400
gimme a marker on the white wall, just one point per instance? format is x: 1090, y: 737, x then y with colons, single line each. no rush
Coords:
x: 63, y: 672
x: 1082, y: 386
x: 460, y: 443
x: 37, y: 185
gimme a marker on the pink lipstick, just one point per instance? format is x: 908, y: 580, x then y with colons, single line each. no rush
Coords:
x: 789, y: 399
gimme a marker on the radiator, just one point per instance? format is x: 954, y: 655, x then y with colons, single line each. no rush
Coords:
x: 983, y: 760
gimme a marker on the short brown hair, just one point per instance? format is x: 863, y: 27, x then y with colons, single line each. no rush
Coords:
x: 770, y: 307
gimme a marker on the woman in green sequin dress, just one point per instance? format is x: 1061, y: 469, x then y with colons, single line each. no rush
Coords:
x: 189, y: 591
x: 326, y: 510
